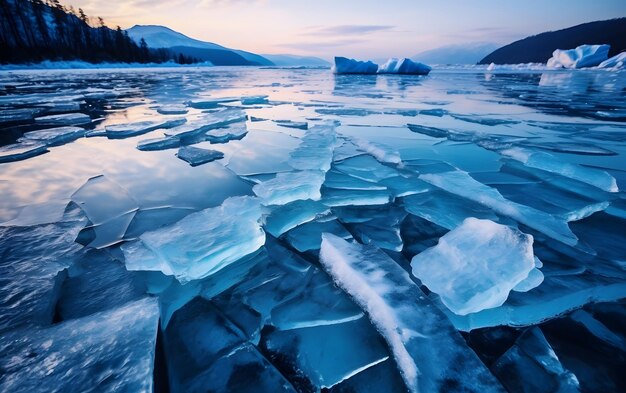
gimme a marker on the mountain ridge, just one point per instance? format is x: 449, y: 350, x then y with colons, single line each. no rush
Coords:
x: 538, y: 48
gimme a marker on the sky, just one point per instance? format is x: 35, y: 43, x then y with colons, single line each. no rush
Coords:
x: 355, y: 28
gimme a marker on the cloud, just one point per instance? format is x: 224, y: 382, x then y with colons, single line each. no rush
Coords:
x: 343, y: 30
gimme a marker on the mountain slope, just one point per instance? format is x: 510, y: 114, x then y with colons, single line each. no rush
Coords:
x: 539, y: 48
x: 164, y: 37
x: 470, y: 53
x: 33, y: 31
x: 218, y: 57
x: 294, y: 60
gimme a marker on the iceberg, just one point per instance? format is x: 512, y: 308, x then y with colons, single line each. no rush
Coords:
x: 196, y: 156
x: 350, y: 66
x: 108, y: 351
x: 430, y: 354
x: 581, y: 57
x: 616, y: 62
x: 476, y: 265
x: 201, y: 243
x: 404, y: 66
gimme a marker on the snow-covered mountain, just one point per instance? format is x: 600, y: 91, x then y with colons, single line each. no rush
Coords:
x: 164, y: 37
x: 295, y: 60
x: 469, y: 53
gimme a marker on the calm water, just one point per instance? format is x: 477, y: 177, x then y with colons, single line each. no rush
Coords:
x: 391, y: 161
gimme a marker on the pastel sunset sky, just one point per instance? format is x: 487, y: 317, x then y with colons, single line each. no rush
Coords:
x: 354, y: 28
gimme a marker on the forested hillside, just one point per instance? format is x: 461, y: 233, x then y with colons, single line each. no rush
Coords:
x: 539, y: 48
x: 36, y: 30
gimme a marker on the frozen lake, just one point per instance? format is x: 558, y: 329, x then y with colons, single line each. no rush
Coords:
x: 192, y: 201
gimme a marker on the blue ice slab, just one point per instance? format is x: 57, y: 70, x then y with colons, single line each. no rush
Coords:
x: 445, y: 209
x: 202, y: 243
x: 205, y: 122
x: 244, y: 369
x: 96, y: 283
x: 126, y: 130
x: 429, y: 352
x: 172, y: 109
x: 341, y: 181
x: 224, y: 135
x: 109, y: 208
x: 325, y: 355
x: 109, y: 351
x: 532, y: 366
x: 289, y: 216
x: 308, y: 236
x: 549, y: 163
x: 54, y: 136
x: 67, y: 119
x: 341, y: 197
x: 462, y: 184
x: 254, y: 100
x: 33, y: 268
x: 163, y: 143
x: 197, y: 156
x: 290, y: 186
x: 315, y: 151
x: 21, y: 151
x: 301, y: 125
x: 319, y: 304
x: 210, y: 103
x: 365, y: 168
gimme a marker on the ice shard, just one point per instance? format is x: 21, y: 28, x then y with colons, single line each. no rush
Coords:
x: 54, y: 136
x: 462, y: 184
x: 532, y: 366
x: 549, y: 163
x: 108, y: 352
x: 195, y: 156
x: 132, y: 129
x: 290, y: 186
x: 201, y: 243
x: 429, y: 352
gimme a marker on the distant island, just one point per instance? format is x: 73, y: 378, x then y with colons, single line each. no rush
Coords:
x: 539, y: 48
